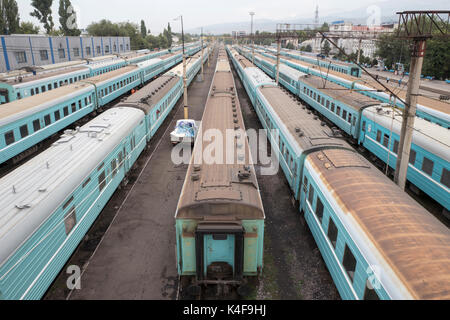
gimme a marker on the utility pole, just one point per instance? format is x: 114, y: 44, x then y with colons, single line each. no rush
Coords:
x: 417, y: 26
x: 278, y: 59
x: 253, y: 39
x: 359, y: 50
x: 186, y: 108
x: 201, y: 37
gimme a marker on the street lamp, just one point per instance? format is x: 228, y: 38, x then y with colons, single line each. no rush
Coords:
x: 201, y: 59
x: 186, y: 108
x: 253, y: 40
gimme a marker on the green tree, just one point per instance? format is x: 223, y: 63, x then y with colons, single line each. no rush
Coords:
x: 392, y: 50
x: 28, y: 28
x: 43, y: 12
x: 308, y: 48
x: 9, y: 17
x: 68, y: 19
x: 325, y: 27
x: 168, y: 35
x: 326, y: 48
x: 143, y: 29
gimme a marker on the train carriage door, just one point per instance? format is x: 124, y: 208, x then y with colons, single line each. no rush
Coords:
x: 219, y: 252
x: 4, y: 96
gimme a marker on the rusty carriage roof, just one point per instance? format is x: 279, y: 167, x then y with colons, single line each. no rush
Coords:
x: 227, y: 191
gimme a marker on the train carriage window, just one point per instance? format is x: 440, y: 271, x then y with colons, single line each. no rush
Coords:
x: 70, y: 220
x: 370, y: 293
x: 36, y: 125
x: 55, y: 85
x: 102, y: 181
x: 396, y: 144
x: 49, y: 87
x: 349, y: 262
x: 338, y: 111
x: 412, y: 157
x: 57, y: 115
x: 114, y: 167
x: 47, y: 120
x: 333, y: 233
x: 70, y: 80
x: 305, y: 185
x: 79, y: 104
x: 9, y: 137
x: 66, y: 111
x: 332, y: 107
x: 73, y: 107
x: 328, y: 104
x: 32, y: 92
x: 311, y: 194
x: 43, y: 89
x: 344, y: 114
x: 85, y: 101
x: 120, y: 159
x: 386, y: 140
x: 86, y: 182
x: 445, y: 179
x: 319, y: 209
x: 24, y: 131
x: 379, y: 136
x: 427, y: 166
x: 350, y: 118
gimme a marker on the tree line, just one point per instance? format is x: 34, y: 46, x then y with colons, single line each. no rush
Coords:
x: 140, y: 36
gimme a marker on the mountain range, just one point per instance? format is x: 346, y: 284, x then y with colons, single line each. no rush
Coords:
x: 356, y: 16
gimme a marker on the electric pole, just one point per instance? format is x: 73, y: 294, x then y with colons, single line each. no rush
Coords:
x: 201, y: 41
x: 419, y: 27
x: 253, y: 39
x: 186, y: 108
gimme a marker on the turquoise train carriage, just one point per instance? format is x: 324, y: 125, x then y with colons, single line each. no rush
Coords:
x: 26, y: 123
x: 350, y: 207
x: 16, y: 86
x: 219, y: 220
x: 50, y: 202
x: 23, y: 86
x: 425, y: 112
x: 348, y: 110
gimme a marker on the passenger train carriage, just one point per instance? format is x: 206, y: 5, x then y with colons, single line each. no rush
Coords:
x: 377, y: 242
x: 49, y: 203
x: 25, y: 123
x: 429, y: 109
x: 349, y: 111
x: 220, y: 217
x: 16, y: 86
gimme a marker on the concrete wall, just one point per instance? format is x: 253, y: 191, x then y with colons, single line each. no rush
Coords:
x: 18, y: 51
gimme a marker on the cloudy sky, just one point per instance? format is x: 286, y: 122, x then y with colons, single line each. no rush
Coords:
x: 197, y: 13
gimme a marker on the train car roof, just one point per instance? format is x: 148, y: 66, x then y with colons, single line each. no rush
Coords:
x: 427, y: 135
x: 178, y: 69
x: 27, y: 80
x: 397, y: 230
x: 33, y: 191
x: 150, y: 95
x: 257, y: 77
x: 353, y: 99
x: 108, y: 76
x: 218, y: 192
x: 18, y: 109
x: 295, y: 120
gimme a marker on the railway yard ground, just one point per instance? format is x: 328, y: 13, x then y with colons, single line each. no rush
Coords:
x: 129, y: 253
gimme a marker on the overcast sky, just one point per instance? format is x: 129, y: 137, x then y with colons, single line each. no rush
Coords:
x: 196, y: 13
